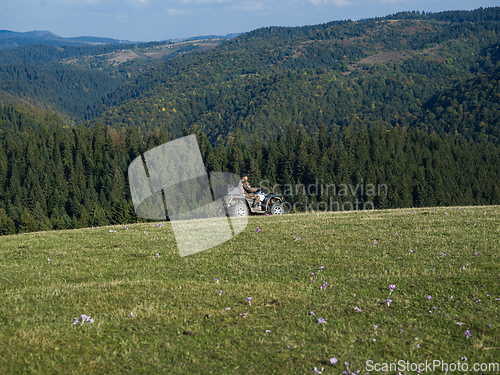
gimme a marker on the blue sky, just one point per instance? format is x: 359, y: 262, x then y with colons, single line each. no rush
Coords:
x: 149, y: 20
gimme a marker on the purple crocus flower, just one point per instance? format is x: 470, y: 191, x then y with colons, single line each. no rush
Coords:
x: 157, y: 255
x: 128, y: 226
x: 257, y: 230
x: 388, y: 301
x: 312, y: 313
x: 220, y: 292
x: 321, y: 321
x: 249, y: 300
x: 410, y: 251
x: 429, y: 298
x: 333, y: 361
x: 391, y: 288
x: 75, y: 321
x: 468, y: 334
x: 160, y: 225
x: 217, y: 280
x: 357, y: 309
x: 346, y: 365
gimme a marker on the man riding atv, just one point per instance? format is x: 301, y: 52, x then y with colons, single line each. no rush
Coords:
x: 249, y: 191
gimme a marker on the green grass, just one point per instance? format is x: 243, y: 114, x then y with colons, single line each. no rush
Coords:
x: 181, y: 324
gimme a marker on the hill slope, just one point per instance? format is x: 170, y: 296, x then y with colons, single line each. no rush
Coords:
x: 319, y: 286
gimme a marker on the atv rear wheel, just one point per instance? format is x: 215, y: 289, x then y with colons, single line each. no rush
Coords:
x: 239, y: 209
x: 277, y: 209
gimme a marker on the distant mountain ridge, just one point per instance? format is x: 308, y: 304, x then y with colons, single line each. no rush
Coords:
x: 11, y: 39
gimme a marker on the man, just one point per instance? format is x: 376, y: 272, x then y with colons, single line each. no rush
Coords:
x: 249, y: 191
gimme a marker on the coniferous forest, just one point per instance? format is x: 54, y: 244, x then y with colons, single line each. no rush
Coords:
x: 401, y: 111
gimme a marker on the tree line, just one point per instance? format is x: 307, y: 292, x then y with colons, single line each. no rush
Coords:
x: 57, y: 178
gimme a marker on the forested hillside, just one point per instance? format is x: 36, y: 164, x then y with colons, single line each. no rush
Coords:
x: 377, y: 71
x: 81, y: 82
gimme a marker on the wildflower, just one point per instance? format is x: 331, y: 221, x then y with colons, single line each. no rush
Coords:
x: 451, y: 298
x: 443, y: 254
x: 460, y: 324
x: 357, y: 309
x: 464, y: 358
x: 160, y: 225
x: 324, y: 285
x: 249, y: 300
x: 468, y: 334
x: 157, y: 255
x: 400, y: 330
x: 220, y: 292
x: 417, y: 346
x: 391, y: 288
x: 388, y: 302
x: 489, y: 325
x: 128, y: 226
x: 266, y: 214
x: 476, y: 253
x: 322, y: 267
x: 374, y: 243
x: 111, y: 231
x: 446, y: 213
x: 132, y: 315
x: 297, y: 238
x: 268, y: 331
x: 257, y: 230
x: 48, y: 260
x: 333, y: 361
x: 228, y: 308
x: 410, y: 251
x: 429, y: 298
x: 375, y: 326
x: 316, y: 371
x: 346, y: 365
x: 144, y: 232
x: 416, y: 338
x: 84, y: 318
x: 321, y: 321
x: 75, y: 321
x: 374, y: 340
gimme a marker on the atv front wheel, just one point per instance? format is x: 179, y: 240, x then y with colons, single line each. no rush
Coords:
x: 277, y: 209
x: 239, y: 209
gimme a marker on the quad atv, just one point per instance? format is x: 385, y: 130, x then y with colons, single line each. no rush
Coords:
x: 231, y: 201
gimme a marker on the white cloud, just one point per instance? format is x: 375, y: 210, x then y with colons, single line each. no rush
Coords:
x: 179, y: 11
x: 333, y: 2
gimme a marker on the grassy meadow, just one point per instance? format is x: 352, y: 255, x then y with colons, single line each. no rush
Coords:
x: 163, y: 314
